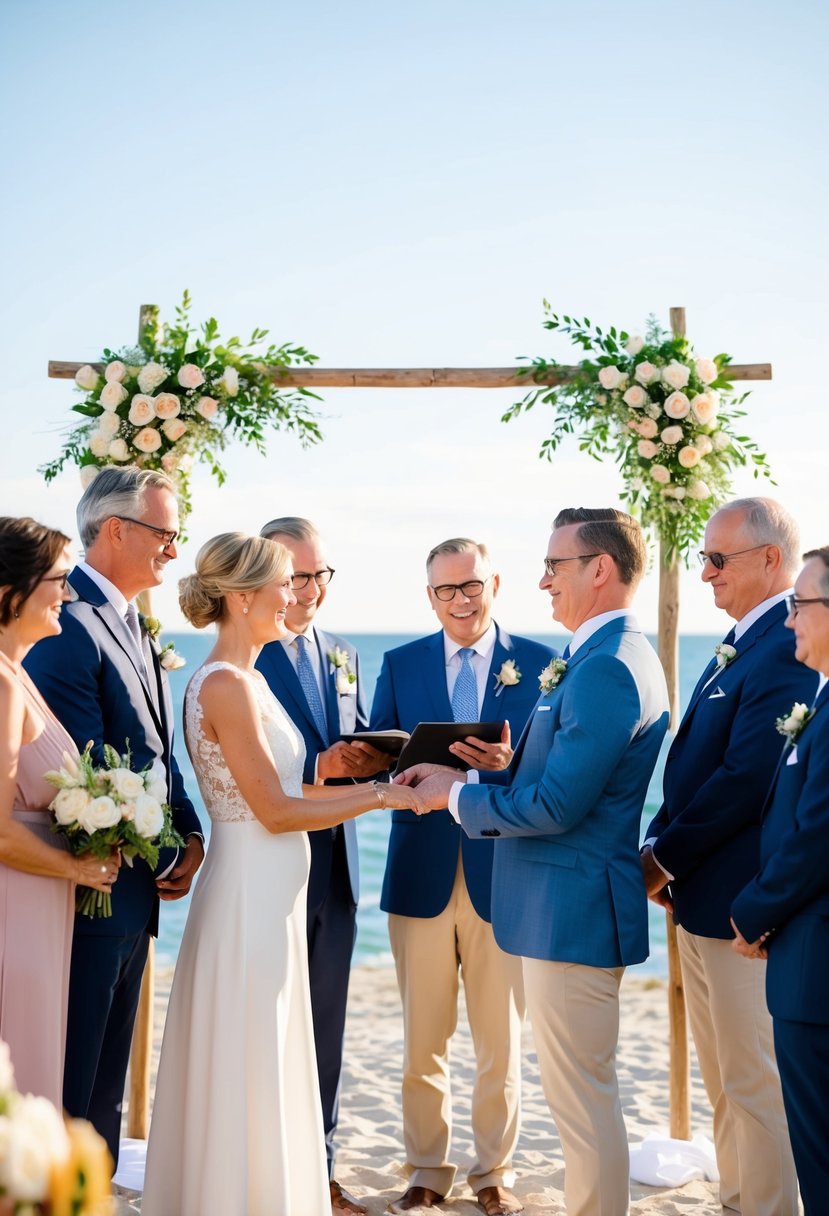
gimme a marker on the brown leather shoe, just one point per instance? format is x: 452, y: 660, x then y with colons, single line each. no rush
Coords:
x: 341, y: 1201
x: 414, y: 1198
x: 498, y: 1201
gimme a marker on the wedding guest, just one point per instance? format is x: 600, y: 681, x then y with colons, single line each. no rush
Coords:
x: 703, y: 846
x: 103, y: 679
x: 37, y: 873
x: 783, y: 913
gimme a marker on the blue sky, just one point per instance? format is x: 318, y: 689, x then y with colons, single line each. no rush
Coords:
x: 402, y: 187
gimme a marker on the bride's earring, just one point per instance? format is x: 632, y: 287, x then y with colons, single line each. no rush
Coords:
x: 245, y: 610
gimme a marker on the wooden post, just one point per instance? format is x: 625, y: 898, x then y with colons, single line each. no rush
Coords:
x: 141, y: 1055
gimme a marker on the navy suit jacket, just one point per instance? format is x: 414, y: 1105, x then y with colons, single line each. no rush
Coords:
x: 789, y: 898
x: 345, y: 713
x: 718, y: 772
x: 567, y: 884
x: 423, y: 849
x: 90, y: 677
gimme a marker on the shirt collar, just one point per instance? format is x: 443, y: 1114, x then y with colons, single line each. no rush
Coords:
x: 484, y: 645
x: 290, y: 638
x: 745, y: 623
x: 115, y: 597
x: 587, y: 628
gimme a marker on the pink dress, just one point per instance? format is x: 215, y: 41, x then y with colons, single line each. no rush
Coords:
x: 36, y: 919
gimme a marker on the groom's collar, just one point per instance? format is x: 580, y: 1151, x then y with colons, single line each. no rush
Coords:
x: 109, y: 591
x: 587, y: 628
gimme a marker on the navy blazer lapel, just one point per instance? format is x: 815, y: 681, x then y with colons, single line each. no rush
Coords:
x: 432, y: 678
x: 492, y: 704
x: 290, y: 689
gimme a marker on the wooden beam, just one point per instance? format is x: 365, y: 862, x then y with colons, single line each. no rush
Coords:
x: 416, y: 377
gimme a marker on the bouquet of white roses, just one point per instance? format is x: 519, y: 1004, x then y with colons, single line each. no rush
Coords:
x: 101, y: 809
x: 46, y: 1164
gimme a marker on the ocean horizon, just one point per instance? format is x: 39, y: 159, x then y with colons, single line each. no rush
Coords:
x: 372, y: 946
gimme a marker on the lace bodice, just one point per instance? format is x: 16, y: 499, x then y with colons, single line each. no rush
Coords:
x: 220, y: 792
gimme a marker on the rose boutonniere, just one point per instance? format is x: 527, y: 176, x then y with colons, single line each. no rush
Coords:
x: 792, y: 723
x: 549, y: 678
x: 508, y: 675
x: 168, y: 656
x: 151, y: 626
x: 345, y: 678
x: 170, y: 659
x: 724, y: 654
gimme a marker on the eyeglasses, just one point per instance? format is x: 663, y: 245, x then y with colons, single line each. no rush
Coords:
x: 58, y: 578
x: 300, y: 578
x: 794, y: 604
x: 551, y: 564
x: 471, y: 590
x: 168, y: 538
x: 718, y: 560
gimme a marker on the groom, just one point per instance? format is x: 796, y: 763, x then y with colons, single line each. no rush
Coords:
x: 567, y: 888
x: 102, y: 678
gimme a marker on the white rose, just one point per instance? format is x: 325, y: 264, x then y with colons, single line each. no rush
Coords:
x: 703, y: 445
x: 660, y: 473
x: 118, y: 450
x: 88, y: 474
x: 704, y: 408
x: 156, y: 786
x: 230, y: 381
x: 98, y: 444
x: 647, y: 428
x: 126, y: 783
x: 170, y: 463
x: 115, y: 371
x: 688, y: 457
x: 672, y: 435
x: 207, y: 407
x: 167, y: 405
x: 707, y: 370
x: 653, y: 410
x: 508, y: 674
x: 108, y: 424
x: 634, y: 344
x: 610, y: 377
x: 677, y: 406
x: 674, y: 492
x: 721, y: 441
x: 36, y: 1141
x: 174, y: 428
x: 699, y: 490
x: 190, y: 376
x: 635, y: 397
x: 149, y: 817
x: 6, y: 1069
x: 100, y: 812
x: 345, y: 686
x: 675, y: 375
x: 112, y: 394
x: 142, y: 410
x: 646, y: 373
x: 147, y: 440
x: 150, y: 376
x: 69, y: 805
x: 87, y: 378
x: 647, y: 448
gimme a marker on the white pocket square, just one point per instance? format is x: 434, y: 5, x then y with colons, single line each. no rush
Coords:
x: 544, y: 709
x: 718, y: 692
x: 792, y: 756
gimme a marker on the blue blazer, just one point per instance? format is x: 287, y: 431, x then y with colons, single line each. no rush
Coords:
x: 345, y: 713
x: 567, y: 883
x: 718, y: 772
x: 90, y: 677
x: 423, y: 850
x: 790, y: 895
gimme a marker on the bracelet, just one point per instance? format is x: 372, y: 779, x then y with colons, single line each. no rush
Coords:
x: 381, y: 797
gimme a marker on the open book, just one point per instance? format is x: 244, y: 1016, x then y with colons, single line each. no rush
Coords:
x: 429, y: 741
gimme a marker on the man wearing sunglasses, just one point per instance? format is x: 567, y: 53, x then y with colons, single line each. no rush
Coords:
x: 704, y: 844
x: 437, y: 884
x: 315, y: 676
x: 103, y: 679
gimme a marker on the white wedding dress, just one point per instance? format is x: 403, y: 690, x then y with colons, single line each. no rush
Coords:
x: 236, y: 1126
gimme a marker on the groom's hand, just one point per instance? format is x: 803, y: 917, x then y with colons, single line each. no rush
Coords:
x: 178, y: 881
x: 433, y: 783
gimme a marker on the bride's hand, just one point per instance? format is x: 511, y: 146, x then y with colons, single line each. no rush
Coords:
x: 402, y: 798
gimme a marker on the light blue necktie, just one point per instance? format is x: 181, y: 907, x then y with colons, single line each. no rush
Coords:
x: 308, y: 682
x: 465, y: 692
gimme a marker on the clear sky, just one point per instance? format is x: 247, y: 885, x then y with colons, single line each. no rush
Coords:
x: 401, y: 186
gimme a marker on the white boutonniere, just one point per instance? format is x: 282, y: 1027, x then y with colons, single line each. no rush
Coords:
x: 792, y: 723
x: 170, y: 659
x: 168, y: 656
x: 508, y: 675
x: 344, y: 677
x: 724, y: 654
x: 551, y: 675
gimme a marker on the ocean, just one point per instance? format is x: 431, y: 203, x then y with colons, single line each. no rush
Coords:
x: 373, y: 829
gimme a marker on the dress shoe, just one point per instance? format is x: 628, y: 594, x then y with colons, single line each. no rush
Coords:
x: 415, y: 1198
x: 341, y: 1201
x: 498, y: 1201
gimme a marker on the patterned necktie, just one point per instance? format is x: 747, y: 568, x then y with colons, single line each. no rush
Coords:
x: 134, y: 626
x: 308, y: 682
x: 465, y: 692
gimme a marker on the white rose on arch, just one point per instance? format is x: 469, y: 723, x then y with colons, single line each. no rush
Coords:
x: 677, y: 405
x: 703, y: 445
x: 699, y: 490
x: 672, y: 435
x: 150, y: 376
x: 229, y: 381
x: 98, y: 444
x: 190, y: 376
x: 207, y: 407
x: 142, y: 410
x: 610, y: 377
x: 707, y: 370
x: 635, y: 397
x: 112, y: 394
x: 167, y: 405
x: 704, y: 407
x: 108, y: 424
x: 675, y: 375
x: 647, y: 448
x: 118, y: 450
x: 646, y: 372
x: 87, y: 378
x: 147, y: 440
x: 648, y: 429
x: 721, y: 440
x: 115, y: 371
x: 634, y: 344
x: 688, y: 456
x: 174, y: 428
x: 88, y: 474
x: 660, y: 474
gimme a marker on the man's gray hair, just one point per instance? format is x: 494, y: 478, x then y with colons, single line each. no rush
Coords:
x: 117, y: 490
x: 290, y: 525
x: 458, y: 544
x: 766, y: 522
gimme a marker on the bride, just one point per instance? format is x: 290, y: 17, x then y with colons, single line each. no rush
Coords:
x: 236, y: 1127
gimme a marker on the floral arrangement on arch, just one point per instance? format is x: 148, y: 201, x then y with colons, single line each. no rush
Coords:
x: 669, y: 419
x: 180, y: 396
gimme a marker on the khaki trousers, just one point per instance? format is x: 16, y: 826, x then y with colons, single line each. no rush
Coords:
x: 732, y: 1029
x: 574, y: 1011
x: 429, y: 953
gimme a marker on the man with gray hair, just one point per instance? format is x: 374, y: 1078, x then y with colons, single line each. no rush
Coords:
x: 703, y: 846
x: 103, y: 679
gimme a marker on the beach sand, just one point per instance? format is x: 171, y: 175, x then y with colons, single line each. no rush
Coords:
x: 371, y: 1142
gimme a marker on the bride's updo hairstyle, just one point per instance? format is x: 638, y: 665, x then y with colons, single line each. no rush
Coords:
x: 229, y: 562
